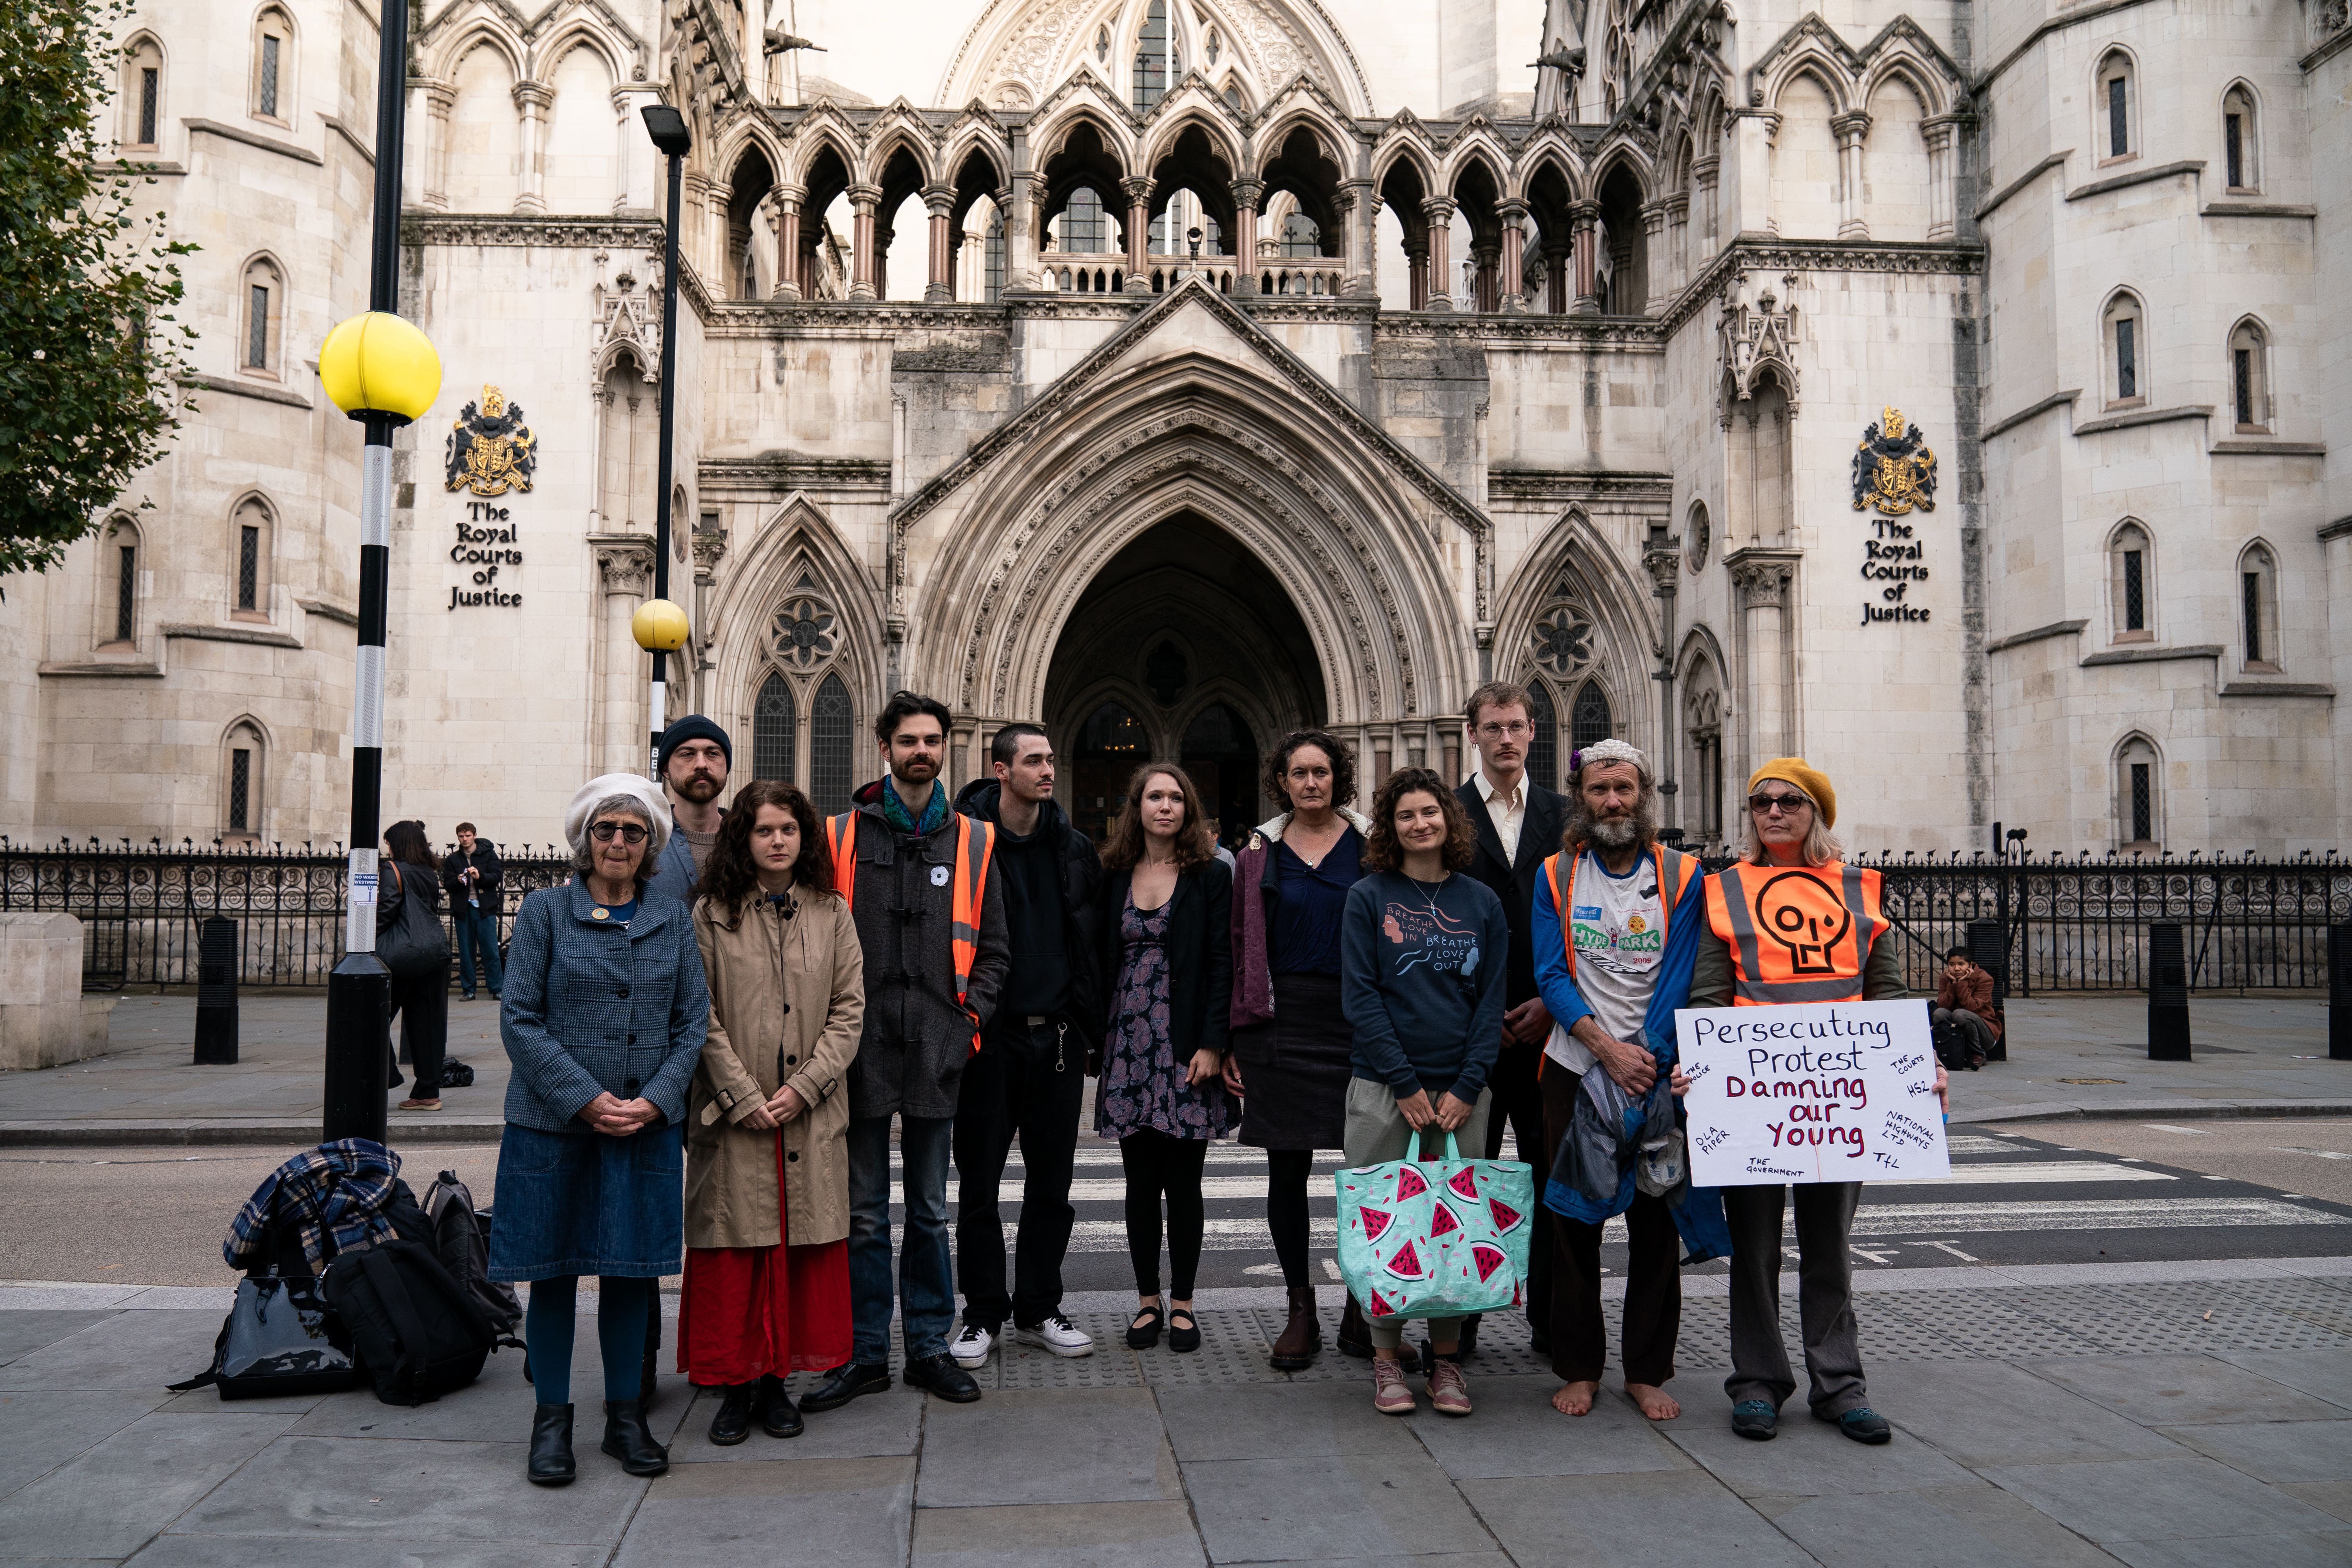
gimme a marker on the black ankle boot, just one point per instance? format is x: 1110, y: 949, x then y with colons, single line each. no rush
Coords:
x: 733, y: 1422
x: 779, y: 1416
x: 551, y: 1447
x: 626, y: 1439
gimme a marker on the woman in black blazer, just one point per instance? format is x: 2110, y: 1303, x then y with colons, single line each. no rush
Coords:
x: 1168, y: 955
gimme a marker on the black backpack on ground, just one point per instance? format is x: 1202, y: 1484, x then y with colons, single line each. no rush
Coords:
x: 460, y: 1239
x: 419, y: 1332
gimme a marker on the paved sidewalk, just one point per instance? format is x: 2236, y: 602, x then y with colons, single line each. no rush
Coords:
x: 2166, y: 1415
x: 2071, y: 1056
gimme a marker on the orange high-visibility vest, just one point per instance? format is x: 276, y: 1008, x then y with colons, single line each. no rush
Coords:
x: 970, y: 889
x: 1797, y: 934
x: 1675, y: 870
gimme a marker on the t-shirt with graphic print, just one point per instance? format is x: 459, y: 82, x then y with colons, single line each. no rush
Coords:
x: 1619, y: 925
x: 1422, y: 979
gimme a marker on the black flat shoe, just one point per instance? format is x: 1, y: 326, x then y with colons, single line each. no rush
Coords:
x: 1864, y: 1424
x: 1183, y: 1330
x: 733, y: 1422
x: 626, y: 1439
x: 1755, y: 1418
x: 1144, y: 1332
x: 940, y: 1374
x: 846, y: 1383
x: 779, y: 1416
x: 551, y: 1464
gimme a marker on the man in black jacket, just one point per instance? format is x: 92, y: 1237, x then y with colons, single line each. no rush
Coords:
x: 471, y: 875
x: 1030, y: 1076
x: 1519, y: 823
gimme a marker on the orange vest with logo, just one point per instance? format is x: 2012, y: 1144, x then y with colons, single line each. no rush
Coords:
x: 1675, y: 870
x: 971, y: 887
x: 1797, y: 934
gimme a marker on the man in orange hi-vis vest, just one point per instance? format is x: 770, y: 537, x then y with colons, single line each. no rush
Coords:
x: 917, y: 875
x: 1793, y: 923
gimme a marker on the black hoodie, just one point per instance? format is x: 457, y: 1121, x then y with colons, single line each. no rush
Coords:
x: 1051, y: 885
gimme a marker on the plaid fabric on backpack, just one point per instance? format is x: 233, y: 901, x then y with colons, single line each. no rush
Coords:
x: 334, y: 1195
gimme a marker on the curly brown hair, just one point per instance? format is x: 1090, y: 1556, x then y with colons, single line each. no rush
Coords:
x: 732, y: 878
x: 1381, y: 851
x: 1343, y: 765
x: 1124, y: 846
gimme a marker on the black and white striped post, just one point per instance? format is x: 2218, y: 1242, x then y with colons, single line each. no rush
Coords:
x: 381, y: 370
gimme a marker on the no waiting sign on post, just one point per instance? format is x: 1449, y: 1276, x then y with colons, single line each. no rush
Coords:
x: 1837, y: 1091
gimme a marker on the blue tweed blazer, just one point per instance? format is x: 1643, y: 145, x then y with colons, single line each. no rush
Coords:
x: 592, y: 1008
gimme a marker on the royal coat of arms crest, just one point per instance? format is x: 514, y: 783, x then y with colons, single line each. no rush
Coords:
x: 491, y: 450
x: 1893, y: 468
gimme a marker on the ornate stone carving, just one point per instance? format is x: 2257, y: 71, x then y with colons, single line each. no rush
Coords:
x: 626, y: 566
x: 1562, y: 641
x: 1753, y: 338
x: 1761, y: 578
x: 805, y: 633
x: 628, y: 313
x: 710, y: 545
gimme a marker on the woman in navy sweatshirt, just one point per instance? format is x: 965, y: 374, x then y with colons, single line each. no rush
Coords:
x: 1420, y: 979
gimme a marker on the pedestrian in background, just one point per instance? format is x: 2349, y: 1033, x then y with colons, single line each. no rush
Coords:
x: 691, y: 762
x: 420, y: 998
x: 766, y: 1160
x: 603, y: 1018
x: 1290, y: 1043
x: 1168, y: 946
x: 1425, y: 952
x: 477, y: 898
x: 1965, y: 1023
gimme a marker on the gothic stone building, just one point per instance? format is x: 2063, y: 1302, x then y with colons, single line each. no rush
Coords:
x: 1949, y: 396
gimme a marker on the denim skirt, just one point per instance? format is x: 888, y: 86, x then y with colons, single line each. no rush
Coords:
x: 581, y: 1202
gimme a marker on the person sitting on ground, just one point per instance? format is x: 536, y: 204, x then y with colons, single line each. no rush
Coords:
x: 1964, y: 1010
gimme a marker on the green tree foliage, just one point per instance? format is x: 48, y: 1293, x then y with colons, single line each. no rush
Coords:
x: 92, y: 378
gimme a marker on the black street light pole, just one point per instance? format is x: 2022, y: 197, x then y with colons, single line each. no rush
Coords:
x: 668, y: 129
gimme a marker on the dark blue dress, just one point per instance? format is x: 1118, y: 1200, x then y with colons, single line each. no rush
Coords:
x: 1144, y: 1085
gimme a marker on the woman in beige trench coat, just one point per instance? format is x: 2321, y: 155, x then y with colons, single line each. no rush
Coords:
x: 767, y: 1172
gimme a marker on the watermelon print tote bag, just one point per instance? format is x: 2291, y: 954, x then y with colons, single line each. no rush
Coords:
x: 1436, y: 1238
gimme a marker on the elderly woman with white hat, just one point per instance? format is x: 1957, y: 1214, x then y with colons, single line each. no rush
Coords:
x: 603, y: 1018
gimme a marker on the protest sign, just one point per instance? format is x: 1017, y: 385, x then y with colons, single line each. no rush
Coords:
x: 1836, y: 1092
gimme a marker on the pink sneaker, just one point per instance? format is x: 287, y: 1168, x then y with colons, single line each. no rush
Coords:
x: 1390, y: 1394
x: 1449, y: 1391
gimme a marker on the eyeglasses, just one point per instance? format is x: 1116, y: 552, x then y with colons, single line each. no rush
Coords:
x: 1778, y: 804
x: 628, y: 832
x: 1507, y: 731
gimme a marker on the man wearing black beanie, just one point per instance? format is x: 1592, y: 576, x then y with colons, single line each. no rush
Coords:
x: 692, y: 760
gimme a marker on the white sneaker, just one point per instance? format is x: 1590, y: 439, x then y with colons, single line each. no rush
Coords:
x: 971, y: 1347
x: 1056, y: 1336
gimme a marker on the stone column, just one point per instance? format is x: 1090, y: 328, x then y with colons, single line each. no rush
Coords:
x: 1751, y: 135
x: 531, y: 100
x: 1438, y: 211
x: 428, y: 172
x: 1679, y: 266
x: 624, y: 569
x: 1938, y: 134
x: 1703, y: 175
x: 1139, y: 232
x: 1586, y: 217
x: 1654, y: 256
x: 1485, y: 273
x: 785, y: 204
x: 940, y: 202
x: 1359, y: 217
x: 708, y: 545
x: 1247, y: 193
x: 634, y: 156
x: 1416, y: 267
x: 1514, y: 240
x: 717, y: 241
x: 863, y: 200
x: 1761, y: 579
x: 1556, y: 253
x: 1851, y: 130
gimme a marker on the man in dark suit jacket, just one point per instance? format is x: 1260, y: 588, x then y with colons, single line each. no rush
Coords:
x: 1519, y: 823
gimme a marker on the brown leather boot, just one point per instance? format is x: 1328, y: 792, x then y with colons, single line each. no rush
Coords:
x: 1302, y: 1336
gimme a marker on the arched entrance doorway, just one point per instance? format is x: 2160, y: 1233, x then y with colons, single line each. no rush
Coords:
x: 1184, y: 646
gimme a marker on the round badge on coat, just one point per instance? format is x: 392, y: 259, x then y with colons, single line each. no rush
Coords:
x: 601, y: 915
x: 938, y: 876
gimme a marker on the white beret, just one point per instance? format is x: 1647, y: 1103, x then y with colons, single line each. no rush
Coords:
x: 603, y: 787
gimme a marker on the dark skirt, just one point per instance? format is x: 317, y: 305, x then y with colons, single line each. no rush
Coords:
x: 581, y: 1202
x: 1295, y: 1070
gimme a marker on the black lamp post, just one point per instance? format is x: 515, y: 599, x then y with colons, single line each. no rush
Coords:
x: 669, y: 130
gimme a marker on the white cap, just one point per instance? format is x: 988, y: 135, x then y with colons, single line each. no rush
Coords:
x: 1613, y: 751
x: 603, y: 787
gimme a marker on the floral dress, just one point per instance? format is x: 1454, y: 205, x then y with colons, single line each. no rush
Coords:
x: 1144, y: 1085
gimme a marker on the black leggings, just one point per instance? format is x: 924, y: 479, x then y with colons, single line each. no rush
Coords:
x: 1286, y: 1171
x: 1156, y: 1163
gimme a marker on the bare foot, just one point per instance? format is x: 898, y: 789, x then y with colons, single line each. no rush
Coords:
x: 1575, y: 1398
x: 1655, y: 1403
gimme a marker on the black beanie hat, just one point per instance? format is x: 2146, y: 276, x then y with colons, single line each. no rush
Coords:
x: 693, y: 727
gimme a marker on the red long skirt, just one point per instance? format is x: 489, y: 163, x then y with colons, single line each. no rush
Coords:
x: 748, y: 1311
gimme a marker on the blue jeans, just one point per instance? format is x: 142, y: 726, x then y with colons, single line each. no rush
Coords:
x: 477, y: 925
x: 925, y: 1278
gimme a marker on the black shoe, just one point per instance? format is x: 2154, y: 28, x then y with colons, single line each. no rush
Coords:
x: 846, y: 1383
x: 1864, y: 1424
x: 626, y: 1439
x: 494, y: 995
x: 940, y: 1374
x: 733, y: 1422
x: 1539, y: 1341
x: 1183, y: 1330
x: 1143, y: 1332
x: 1755, y: 1418
x: 551, y: 1464
x: 779, y: 1416
x: 1355, y: 1336
x: 464, y: 997
x: 1469, y: 1346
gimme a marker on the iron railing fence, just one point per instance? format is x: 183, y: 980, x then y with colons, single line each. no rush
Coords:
x: 2078, y: 924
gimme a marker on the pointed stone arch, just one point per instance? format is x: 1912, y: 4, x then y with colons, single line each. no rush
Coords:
x: 1572, y: 564
x: 796, y: 550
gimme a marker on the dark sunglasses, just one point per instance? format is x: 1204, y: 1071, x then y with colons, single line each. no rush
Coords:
x: 1786, y: 804
x: 629, y: 832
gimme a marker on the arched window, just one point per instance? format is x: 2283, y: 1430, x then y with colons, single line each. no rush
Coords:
x: 993, y: 261
x: 241, y: 780
x: 2241, y: 153
x: 119, y: 584
x: 775, y: 723
x: 2139, y: 805
x: 2250, y: 379
x: 1154, y: 58
x: 1703, y: 722
x: 1233, y: 94
x: 2124, y: 331
x: 2116, y: 106
x: 2258, y: 616
x: 2131, y: 558
x: 833, y: 766
x: 1081, y: 230
x: 1590, y: 721
x: 265, y: 309
x: 142, y: 92
x: 248, y: 565
x: 273, y: 68
x: 1543, y: 750
x: 1300, y: 236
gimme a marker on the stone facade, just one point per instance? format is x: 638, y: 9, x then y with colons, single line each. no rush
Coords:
x: 1179, y: 373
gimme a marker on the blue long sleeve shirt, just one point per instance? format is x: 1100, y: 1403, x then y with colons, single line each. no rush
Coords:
x: 1422, y: 980
x: 1686, y: 925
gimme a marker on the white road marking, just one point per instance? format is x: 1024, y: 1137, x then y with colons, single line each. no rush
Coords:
x: 2015, y: 1172
x: 2322, y: 1154
x: 2184, y: 1132
x: 2140, y: 1213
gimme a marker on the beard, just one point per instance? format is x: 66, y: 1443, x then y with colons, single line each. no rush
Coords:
x: 1638, y: 829
x: 700, y: 787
